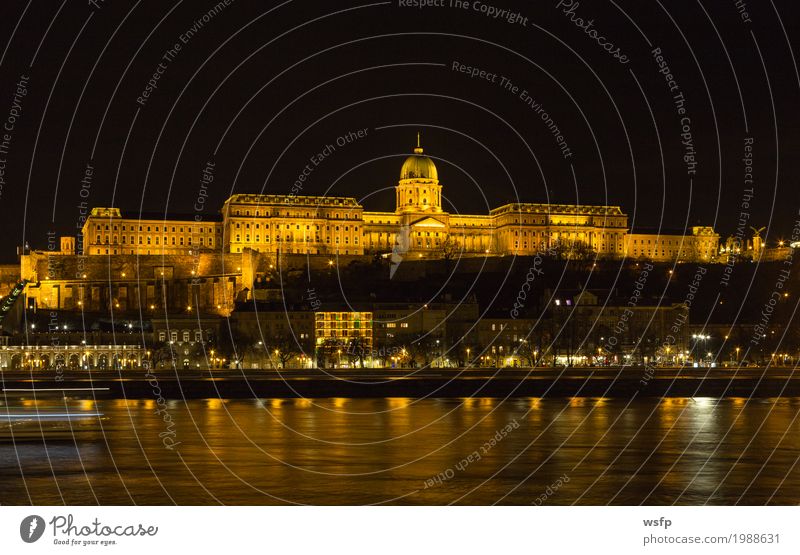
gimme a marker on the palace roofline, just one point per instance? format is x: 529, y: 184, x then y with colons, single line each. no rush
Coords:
x: 558, y: 208
x: 291, y: 199
x: 160, y: 217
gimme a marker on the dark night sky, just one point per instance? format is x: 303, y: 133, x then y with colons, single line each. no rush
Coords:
x: 259, y: 89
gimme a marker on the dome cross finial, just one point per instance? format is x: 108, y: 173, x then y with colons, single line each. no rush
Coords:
x: 418, y: 149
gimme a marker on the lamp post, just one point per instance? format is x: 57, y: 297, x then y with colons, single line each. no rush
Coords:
x: 697, y: 338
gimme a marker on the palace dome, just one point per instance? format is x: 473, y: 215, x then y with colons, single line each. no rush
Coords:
x: 417, y: 166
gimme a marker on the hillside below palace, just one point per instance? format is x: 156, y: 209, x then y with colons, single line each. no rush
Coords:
x: 314, y: 225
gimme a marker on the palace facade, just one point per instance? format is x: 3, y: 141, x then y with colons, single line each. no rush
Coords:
x: 291, y: 224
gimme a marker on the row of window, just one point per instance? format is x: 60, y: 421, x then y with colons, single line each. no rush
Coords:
x: 289, y: 214
x: 674, y: 242
x: 290, y: 239
x: 185, y: 334
x: 543, y: 245
x: 553, y: 221
x: 284, y: 250
x: 556, y: 234
x: 342, y: 333
x: 297, y: 226
x: 115, y: 240
x: 650, y: 252
x: 143, y: 251
x: 156, y: 228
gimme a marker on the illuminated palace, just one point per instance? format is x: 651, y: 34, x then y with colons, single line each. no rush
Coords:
x: 291, y: 224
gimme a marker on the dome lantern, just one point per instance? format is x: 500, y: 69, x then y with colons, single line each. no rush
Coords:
x: 418, y: 166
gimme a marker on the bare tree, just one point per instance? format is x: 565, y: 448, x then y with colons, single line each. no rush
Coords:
x: 284, y: 348
x: 357, y: 350
x: 450, y: 248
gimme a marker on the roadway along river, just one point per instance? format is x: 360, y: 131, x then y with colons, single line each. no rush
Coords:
x: 433, y: 451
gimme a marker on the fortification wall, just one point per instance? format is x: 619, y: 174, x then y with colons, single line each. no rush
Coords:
x: 206, y: 281
x: 9, y: 276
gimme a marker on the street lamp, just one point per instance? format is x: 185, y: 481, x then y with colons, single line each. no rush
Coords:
x: 700, y: 337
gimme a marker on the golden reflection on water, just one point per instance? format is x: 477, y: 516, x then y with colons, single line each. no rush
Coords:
x: 215, y: 404
x: 399, y: 402
x: 340, y: 450
x: 468, y: 402
x: 125, y: 403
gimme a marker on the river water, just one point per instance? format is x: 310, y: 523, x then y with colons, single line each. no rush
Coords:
x: 408, y: 451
